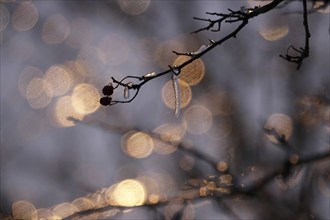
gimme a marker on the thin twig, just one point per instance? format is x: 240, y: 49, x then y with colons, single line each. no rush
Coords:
x: 302, y: 53
x: 233, y: 16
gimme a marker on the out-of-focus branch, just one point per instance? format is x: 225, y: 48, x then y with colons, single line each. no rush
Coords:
x: 214, y: 191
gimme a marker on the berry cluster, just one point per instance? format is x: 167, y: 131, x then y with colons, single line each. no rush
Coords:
x: 107, y: 91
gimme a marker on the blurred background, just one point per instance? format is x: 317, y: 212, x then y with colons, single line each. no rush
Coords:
x: 62, y: 152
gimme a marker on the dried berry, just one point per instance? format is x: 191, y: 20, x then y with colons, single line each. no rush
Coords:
x: 105, y: 101
x: 108, y: 90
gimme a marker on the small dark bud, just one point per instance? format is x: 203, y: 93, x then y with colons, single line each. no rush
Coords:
x: 107, y: 90
x: 105, y: 101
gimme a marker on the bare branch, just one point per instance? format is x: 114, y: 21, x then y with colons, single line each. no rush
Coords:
x: 301, y: 53
x: 234, y: 16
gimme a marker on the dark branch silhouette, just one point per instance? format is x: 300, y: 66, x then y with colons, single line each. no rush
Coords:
x: 243, y: 16
x: 303, y: 52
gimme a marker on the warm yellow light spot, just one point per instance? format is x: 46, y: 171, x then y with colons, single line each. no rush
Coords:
x: 281, y: 124
x: 64, y: 112
x: 222, y: 166
x: 133, y: 7
x: 153, y: 199
x: 98, y: 198
x: 64, y: 210
x: 82, y: 204
x: 23, y: 210
x: 77, y: 70
x: 164, y: 54
x: 55, y: 29
x: 321, y: 7
x: 218, y: 101
x: 129, y: 193
x: 186, y: 163
x: 26, y: 76
x: 85, y: 98
x: 25, y: 16
x: 59, y: 78
x: 137, y: 144
x: 45, y: 214
x: 4, y: 17
x: 81, y: 33
x: 115, y: 49
x: 294, y: 158
x: 198, y: 119
x: 169, y: 136
x: 226, y: 179
x: 193, y: 73
x: 152, y: 187
x: 38, y: 93
x: 274, y: 29
x: 168, y: 95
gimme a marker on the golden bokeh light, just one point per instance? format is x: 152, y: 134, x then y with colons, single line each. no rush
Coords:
x: 81, y: 33
x: 59, y: 78
x: 152, y: 187
x: 294, y: 159
x: 4, y: 17
x: 321, y: 7
x: 164, y: 52
x: 85, y: 98
x: 186, y: 163
x: 137, y: 144
x: 45, y: 214
x: 153, y: 199
x: 98, y: 198
x: 109, y: 195
x: 82, y: 204
x: 192, y: 73
x: 198, y: 119
x: 226, y: 179
x: 55, y: 30
x: 115, y: 49
x: 129, y: 193
x: 23, y: 210
x: 26, y: 76
x: 218, y: 101
x: 222, y: 166
x: 63, y: 111
x: 64, y: 210
x: 275, y: 29
x: 281, y: 124
x: 133, y: 7
x: 168, y: 95
x: 169, y: 136
x: 38, y: 93
x: 25, y: 16
x: 77, y: 70
x: 160, y: 184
